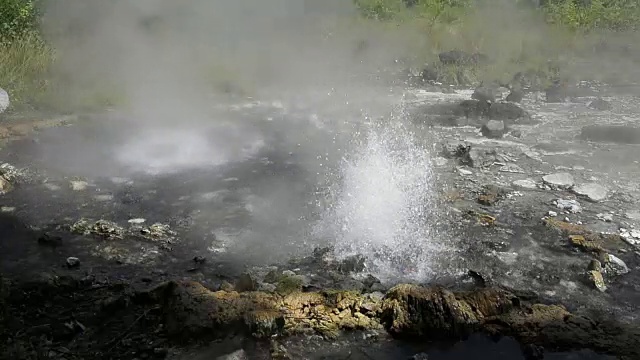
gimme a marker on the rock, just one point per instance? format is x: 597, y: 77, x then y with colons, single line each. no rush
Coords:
x: 600, y: 104
x: 103, y: 228
x: 533, y: 352
x: 464, y: 172
x: 478, y: 158
x: 508, y: 112
x: 491, y: 194
x: 485, y: 93
x: 515, y: 95
x: 73, y: 262
x: 569, y: 205
x: 528, y: 184
x: 455, y: 149
x: 594, y: 265
x: 605, y: 217
x: 420, y: 356
x: 595, y: 277
x: 5, y: 185
x: 78, y: 185
x: 531, y: 80
x: 559, y: 180
x: 350, y: 264
x: 429, y: 74
x: 633, y: 215
x: 246, y: 283
x: 136, y: 221
x: 493, y: 129
x: 552, y: 213
x: 236, y: 355
x: 47, y: 239
x: 4, y: 100
x: 557, y: 93
x: 593, y: 192
x: 511, y: 168
x: 618, y: 134
x: 616, y: 266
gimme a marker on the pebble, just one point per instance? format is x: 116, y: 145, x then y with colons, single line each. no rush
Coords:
x: 465, y: 172
x: 572, y: 206
x: 560, y: 180
x: 592, y: 191
x: 605, y: 217
x: 525, y: 184
x: 73, y: 262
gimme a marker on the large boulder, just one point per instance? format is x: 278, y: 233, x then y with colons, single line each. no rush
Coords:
x: 4, y: 100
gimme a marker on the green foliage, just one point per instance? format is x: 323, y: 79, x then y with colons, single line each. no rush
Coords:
x: 595, y: 14
x: 441, y: 10
x: 18, y: 18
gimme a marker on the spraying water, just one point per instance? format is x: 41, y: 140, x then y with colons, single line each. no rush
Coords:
x: 382, y: 206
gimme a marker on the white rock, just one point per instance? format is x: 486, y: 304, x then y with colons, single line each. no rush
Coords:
x: 592, y: 191
x: 136, y: 221
x: 559, y: 180
x: 4, y: 100
x: 617, y: 265
x: 73, y: 262
x: 77, y: 185
x: 605, y: 217
x: 512, y: 168
x: 465, y: 172
x: 7, y: 209
x: 635, y: 234
x: 553, y: 213
x: 569, y: 205
x: 525, y: 184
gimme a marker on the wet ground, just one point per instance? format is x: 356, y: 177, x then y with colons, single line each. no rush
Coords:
x: 253, y: 200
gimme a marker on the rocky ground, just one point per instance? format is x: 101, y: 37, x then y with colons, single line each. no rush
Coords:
x: 540, y: 194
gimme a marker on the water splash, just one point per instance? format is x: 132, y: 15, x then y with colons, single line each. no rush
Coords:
x: 383, y: 205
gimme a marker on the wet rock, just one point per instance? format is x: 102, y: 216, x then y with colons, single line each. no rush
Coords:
x: 508, y: 112
x: 351, y: 264
x: 493, y: 129
x: 533, y: 352
x: 581, y: 242
x: 429, y: 73
x: 528, y: 184
x: 511, y: 168
x: 571, y: 206
x: 103, y: 228
x: 600, y: 104
x: 531, y: 80
x: 491, y: 194
x: 4, y: 100
x: 420, y: 356
x: 515, y: 95
x: 51, y: 240
x: 557, y: 93
x: 559, y: 180
x: 5, y: 185
x: 593, y: 192
x: 478, y: 158
x: 594, y: 265
x: 487, y: 93
x: 616, y: 266
x: 596, y: 279
x: 455, y: 149
x: 246, y: 282
x: 236, y: 355
x: 73, y: 262
x: 618, y: 134
x: 605, y: 217
x: 633, y: 215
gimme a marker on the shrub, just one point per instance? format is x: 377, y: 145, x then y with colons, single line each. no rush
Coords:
x: 17, y: 19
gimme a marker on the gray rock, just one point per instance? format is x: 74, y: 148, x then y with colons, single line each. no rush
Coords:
x: 236, y: 355
x: 618, y: 134
x: 592, y: 191
x: 605, y: 217
x: 600, y: 104
x: 4, y: 100
x: 616, y: 266
x: 525, y: 184
x: 633, y: 215
x: 73, y: 262
x: 485, y: 93
x: 557, y: 93
x: 516, y: 95
x: 559, y: 180
x: 494, y: 129
x: 246, y: 282
x: 569, y: 205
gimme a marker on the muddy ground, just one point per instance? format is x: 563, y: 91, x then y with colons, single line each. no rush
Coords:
x: 83, y: 235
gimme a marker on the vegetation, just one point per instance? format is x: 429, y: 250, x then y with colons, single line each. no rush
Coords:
x: 512, y: 31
